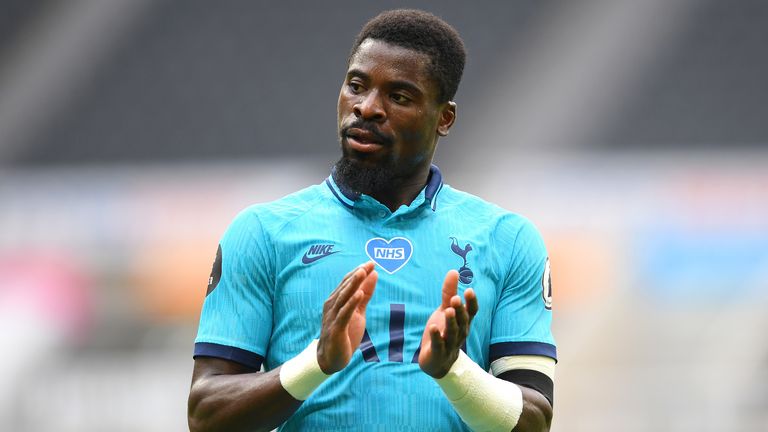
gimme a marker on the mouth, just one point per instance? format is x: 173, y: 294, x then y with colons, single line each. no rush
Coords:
x: 363, y: 141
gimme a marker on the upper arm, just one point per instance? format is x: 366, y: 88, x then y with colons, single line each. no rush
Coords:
x: 236, y: 319
x: 535, y: 376
x: 209, y: 367
x: 536, y: 414
x: 227, y: 395
x: 534, y: 372
x: 212, y: 366
x: 522, y: 348
x: 522, y: 318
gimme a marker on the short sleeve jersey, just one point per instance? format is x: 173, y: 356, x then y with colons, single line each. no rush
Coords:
x: 278, y: 262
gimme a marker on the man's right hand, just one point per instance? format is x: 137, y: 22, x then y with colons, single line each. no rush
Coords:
x: 226, y: 395
x: 344, y: 318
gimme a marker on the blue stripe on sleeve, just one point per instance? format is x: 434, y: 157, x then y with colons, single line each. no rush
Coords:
x: 241, y: 356
x: 503, y: 349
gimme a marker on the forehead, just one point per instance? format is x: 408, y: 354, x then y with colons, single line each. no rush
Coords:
x: 391, y: 61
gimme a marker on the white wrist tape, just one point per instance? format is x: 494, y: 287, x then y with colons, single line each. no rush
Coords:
x: 301, y: 375
x: 484, y: 402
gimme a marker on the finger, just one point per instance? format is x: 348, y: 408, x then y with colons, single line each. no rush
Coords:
x: 330, y: 302
x: 367, y: 286
x: 345, y: 313
x: 343, y: 284
x: 437, y: 344
x: 462, y: 317
x: 455, y: 302
x: 458, y: 306
x: 472, y: 306
x: 451, y: 333
x: 349, y: 289
x: 450, y: 287
x: 367, y: 266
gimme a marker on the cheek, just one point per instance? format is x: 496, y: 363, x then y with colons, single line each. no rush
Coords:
x: 343, y: 105
x: 417, y: 131
x: 411, y: 137
x: 340, y: 106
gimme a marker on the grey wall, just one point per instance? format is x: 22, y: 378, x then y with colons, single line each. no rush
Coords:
x: 190, y: 80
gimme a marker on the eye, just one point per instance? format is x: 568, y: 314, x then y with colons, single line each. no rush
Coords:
x: 400, y: 98
x: 355, y: 87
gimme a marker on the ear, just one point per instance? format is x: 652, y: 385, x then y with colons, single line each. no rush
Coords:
x: 447, y: 118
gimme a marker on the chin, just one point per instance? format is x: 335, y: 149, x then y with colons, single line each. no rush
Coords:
x: 364, y: 160
x: 363, y: 174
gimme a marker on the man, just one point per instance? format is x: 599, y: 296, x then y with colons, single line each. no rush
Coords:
x: 393, y: 346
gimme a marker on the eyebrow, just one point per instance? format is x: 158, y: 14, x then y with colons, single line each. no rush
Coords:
x: 400, y: 84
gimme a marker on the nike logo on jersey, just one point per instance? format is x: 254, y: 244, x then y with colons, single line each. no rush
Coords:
x: 317, y: 252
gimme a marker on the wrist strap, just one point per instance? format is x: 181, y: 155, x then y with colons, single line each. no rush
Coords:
x: 301, y: 375
x: 484, y: 402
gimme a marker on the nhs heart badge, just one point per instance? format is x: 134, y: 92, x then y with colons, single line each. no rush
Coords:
x: 391, y: 255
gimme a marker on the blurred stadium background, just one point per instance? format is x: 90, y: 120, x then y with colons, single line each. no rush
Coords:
x: 634, y: 133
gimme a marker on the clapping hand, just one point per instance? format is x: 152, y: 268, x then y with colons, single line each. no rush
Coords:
x: 344, y: 318
x: 447, y: 328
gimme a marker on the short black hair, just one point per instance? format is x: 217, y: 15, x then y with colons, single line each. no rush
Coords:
x: 423, y: 32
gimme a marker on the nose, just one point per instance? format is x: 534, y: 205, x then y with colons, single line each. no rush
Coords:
x: 370, y: 107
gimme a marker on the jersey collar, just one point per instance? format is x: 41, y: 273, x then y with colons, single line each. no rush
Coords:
x: 350, y: 198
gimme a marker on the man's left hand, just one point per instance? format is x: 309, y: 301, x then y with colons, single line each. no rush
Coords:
x: 447, y: 328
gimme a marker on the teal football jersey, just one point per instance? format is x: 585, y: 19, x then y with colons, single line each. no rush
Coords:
x: 278, y: 262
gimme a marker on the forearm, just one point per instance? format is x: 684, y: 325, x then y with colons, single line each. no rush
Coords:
x: 224, y: 396
x: 227, y: 395
x: 487, y: 403
x: 244, y: 402
x: 537, y: 412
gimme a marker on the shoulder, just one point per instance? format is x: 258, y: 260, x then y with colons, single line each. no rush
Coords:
x: 271, y: 217
x: 503, y: 222
x: 255, y: 230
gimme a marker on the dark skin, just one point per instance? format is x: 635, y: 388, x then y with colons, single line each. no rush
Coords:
x: 390, y: 89
x: 447, y: 329
x: 226, y: 395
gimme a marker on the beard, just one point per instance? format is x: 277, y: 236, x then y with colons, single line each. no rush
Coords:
x: 365, y: 178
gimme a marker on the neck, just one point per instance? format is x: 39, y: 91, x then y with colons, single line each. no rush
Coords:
x: 402, y: 192
x: 384, y: 185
